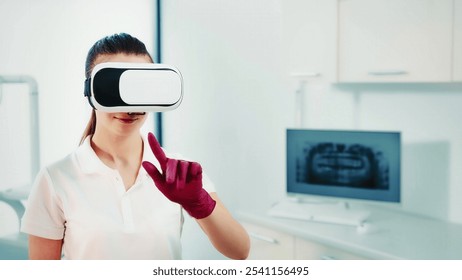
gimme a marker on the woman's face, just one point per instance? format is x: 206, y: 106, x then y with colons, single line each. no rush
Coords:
x: 120, y: 123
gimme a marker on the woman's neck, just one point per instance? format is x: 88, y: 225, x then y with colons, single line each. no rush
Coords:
x: 117, y: 150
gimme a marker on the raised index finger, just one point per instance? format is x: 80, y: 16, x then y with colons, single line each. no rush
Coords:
x: 157, y: 151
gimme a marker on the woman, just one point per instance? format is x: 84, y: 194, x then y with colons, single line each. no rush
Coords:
x: 98, y: 203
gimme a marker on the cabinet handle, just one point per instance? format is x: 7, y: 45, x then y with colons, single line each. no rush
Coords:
x: 306, y: 74
x: 327, y: 257
x: 263, y: 238
x: 388, y: 73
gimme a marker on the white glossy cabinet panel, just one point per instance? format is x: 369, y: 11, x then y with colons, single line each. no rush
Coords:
x: 395, y: 40
x: 309, y: 30
x: 457, y: 62
x: 308, y: 250
x: 269, y: 244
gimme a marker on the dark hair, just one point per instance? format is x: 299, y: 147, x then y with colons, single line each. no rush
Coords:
x: 113, y: 44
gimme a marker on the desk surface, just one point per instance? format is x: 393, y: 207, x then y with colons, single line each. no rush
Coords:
x: 393, y: 234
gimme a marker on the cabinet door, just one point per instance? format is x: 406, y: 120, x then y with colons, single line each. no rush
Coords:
x: 309, y: 38
x: 395, y: 40
x: 308, y: 250
x: 457, y: 62
x: 268, y: 244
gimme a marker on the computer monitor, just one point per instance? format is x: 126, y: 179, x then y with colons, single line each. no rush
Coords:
x: 344, y: 164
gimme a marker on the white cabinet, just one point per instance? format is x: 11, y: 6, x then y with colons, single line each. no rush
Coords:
x: 309, y: 30
x: 270, y: 244
x: 457, y: 63
x: 393, y: 235
x: 395, y: 40
x: 308, y: 250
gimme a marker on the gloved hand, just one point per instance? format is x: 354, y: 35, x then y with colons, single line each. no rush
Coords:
x: 180, y: 181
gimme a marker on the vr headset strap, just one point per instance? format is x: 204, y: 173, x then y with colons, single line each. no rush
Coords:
x: 87, y: 91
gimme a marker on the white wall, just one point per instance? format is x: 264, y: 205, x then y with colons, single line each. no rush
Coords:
x: 239, y: 100
x: 235, y: 109
x: 49, y: 40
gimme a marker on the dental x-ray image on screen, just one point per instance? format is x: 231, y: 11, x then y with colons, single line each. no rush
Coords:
x: 342, y: 164
x: 352, y: 164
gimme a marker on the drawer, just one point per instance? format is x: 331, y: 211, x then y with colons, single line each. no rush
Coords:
x: 269, y: 244
x: 309, y: 250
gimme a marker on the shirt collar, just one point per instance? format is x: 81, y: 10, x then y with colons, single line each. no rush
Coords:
x: 87, y: 159
x: 89, y: 162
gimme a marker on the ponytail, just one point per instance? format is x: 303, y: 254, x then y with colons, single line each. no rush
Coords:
x: 90, y: 128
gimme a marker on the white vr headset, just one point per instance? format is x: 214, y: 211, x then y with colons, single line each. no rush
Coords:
x: 134, y: 87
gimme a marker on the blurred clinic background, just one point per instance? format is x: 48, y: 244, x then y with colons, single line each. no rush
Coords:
x: 251, y: 70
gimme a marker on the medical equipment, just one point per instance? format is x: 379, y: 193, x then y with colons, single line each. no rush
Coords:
x: 134, y: 87
x: 15, y: 246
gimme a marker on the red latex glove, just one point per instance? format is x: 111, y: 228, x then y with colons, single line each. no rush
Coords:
x: 180, y: 181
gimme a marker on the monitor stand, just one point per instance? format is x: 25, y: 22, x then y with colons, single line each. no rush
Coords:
x: 319, y: 211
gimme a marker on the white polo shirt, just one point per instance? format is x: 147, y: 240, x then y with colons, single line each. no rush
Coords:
x: 83, y: 201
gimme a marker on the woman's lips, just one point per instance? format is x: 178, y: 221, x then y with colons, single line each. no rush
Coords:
x: 129, y: 117
x: 127, y: 120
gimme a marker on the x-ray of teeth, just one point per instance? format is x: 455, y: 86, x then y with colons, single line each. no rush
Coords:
x: 342, y: 164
